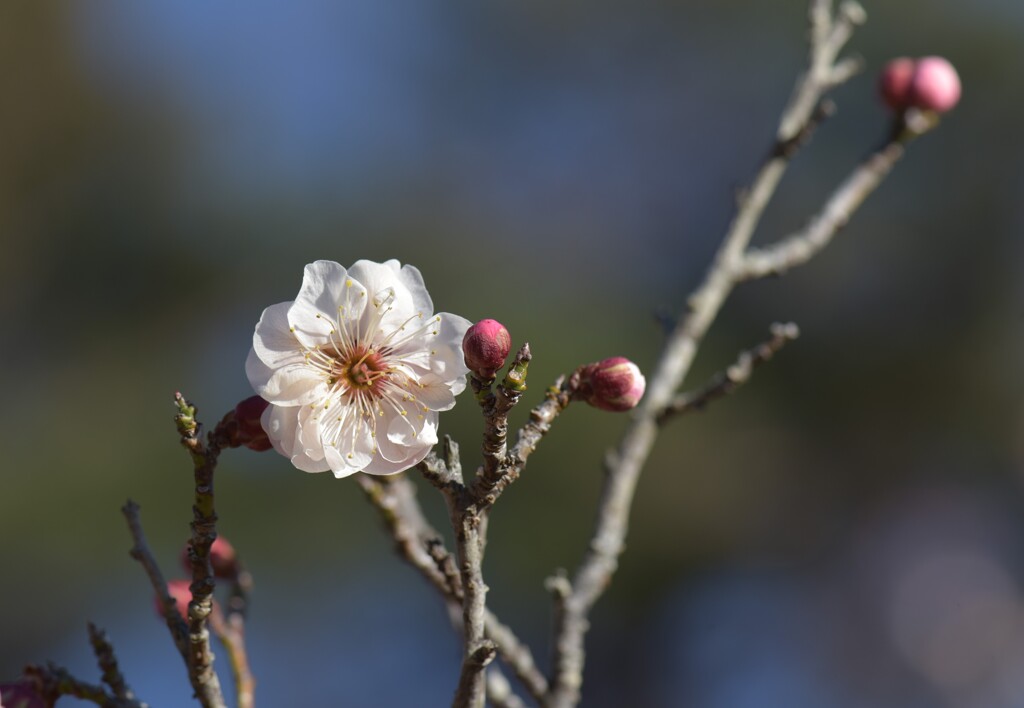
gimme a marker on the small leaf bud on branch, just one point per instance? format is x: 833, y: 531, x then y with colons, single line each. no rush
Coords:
x: 613, y: 384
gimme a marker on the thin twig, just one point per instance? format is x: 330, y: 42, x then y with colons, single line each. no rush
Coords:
x: 801, y: 246
x: 55, y: 681
x: 499, y: 691
x: 204, y: 531
x: 140, y: 552
x: 230, y: 629
x: 104, y: 652
x: 725, y: 382
x: 556, y: 400
x: 421, y: 546
x: 493, y: 475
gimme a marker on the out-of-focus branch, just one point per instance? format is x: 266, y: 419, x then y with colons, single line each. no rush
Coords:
x: 801, y: 246
x: 230, y: 629
x: 395, y: 500
x: 140, y: 552
x: 725, y: 382
x: 54, y: 681
x: 499, y: 691
x: 107, y: 660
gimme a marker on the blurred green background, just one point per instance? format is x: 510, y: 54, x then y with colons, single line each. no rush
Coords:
x: 844, y: 531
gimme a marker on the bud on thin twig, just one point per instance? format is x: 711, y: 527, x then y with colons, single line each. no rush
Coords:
x: 223, y: 559
x: 181, y: 593
x: 21, y: 694
x: 894, y: 83
x: 928, y: 84
x: 614, y: 384
x: 242, y: 426
x: 485, y: 348
x: 935, y: 85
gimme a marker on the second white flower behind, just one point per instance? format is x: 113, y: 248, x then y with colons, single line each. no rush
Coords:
x: 356, y: 369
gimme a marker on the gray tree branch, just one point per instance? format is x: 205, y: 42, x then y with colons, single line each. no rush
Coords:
x: 725, y: 382
x: 828, y: 34
x: 421, y: 546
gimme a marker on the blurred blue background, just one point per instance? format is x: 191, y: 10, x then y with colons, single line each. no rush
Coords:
x: 845, y: 531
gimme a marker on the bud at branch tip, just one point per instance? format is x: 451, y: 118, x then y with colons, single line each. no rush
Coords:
x: 486, y: 347
x: 613, y: 384
x: 927, y: 84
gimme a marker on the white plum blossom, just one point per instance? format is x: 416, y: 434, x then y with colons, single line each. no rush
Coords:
x: 356, y: 369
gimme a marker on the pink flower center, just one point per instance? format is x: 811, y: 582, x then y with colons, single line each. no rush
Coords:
x: 362, y: 369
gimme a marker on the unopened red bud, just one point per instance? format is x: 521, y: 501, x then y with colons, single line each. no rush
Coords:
x: 181, y: 594
x: 223, y: 559
x: 614, y: 384
x: 935, y: 85
x: 21, y: 694
x: 242, y: 426
x: 894, y: 83
x: 485, y: 347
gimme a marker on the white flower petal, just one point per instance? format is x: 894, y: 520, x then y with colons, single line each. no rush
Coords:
x: 344, y: 462
x: 281, y: 426
x: 289, y: 385
x: 402, y: 446
x: 390, y: 301
x: 323, y: 286
x: 347, y: 439
x: 307, y: 437
x: 435, y: 393
x: 272, y: 341
x: 412, y: 279
x: 328, y: 301
x: 415, y: 428
x: 411, y: 456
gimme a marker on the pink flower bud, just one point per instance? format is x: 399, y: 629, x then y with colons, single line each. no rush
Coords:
x: 242, y: 426
x: 180, y: 593
x: 935, y: 85
x: 894, y: 83
x: 223, y: 559
x: 21, y: 694
x: 485, y: 347
x: 614, y: 384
